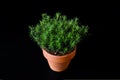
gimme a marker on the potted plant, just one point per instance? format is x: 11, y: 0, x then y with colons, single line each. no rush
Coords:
x: 58, y: 36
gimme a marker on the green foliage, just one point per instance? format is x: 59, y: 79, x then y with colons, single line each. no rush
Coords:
x: 58, y: 34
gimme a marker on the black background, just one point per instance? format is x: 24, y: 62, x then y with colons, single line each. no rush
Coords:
x: 97, y: 56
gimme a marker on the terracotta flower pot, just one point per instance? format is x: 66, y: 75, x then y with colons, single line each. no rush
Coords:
x: 59, y: 63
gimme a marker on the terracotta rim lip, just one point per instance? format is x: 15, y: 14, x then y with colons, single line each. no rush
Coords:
x: 63, y: 56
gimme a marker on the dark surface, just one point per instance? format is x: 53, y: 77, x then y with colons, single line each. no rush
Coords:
x: 97, y: 56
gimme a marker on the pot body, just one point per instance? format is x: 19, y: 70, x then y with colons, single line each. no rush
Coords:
x: 59, y: 63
